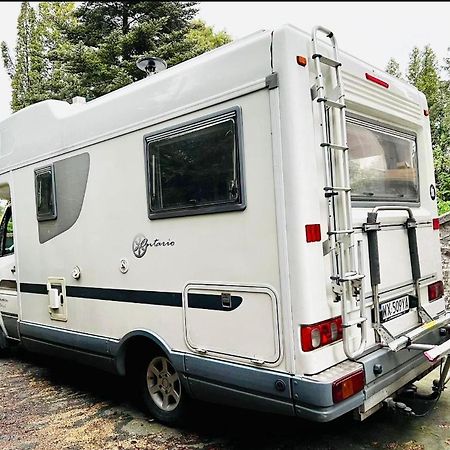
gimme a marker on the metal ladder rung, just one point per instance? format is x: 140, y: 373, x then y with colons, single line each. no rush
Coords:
x: 330, y: 103
x: 352, y: 277
x: 334, y: 146
x: 341, y: 231
x: 354, y: 322
x: 325, y: 60
x: 337, y: 188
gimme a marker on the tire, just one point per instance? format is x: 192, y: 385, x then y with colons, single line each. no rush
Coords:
x: 162, y: 391
x: 4, y: 347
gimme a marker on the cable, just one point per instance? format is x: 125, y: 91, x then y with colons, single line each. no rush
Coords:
x: 441, y: 388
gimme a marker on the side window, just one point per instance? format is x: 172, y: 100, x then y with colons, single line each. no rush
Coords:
x: 6, y: 233
x: 195, y: 168
x: 45, y: 193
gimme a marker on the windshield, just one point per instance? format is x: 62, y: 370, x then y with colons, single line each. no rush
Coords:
x: 383, y: 163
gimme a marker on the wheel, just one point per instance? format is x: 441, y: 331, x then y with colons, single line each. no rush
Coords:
x: 3, y: 344
x: 162, y: 390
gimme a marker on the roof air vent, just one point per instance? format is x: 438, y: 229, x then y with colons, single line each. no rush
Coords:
x: 78, y: 100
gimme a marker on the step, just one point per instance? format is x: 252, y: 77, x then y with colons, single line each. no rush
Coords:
x: 341, y: 231
x: 352, y: 323
x: 325, y: 60
x: 334, y: 146
x: 337, y: 188
x: 331, y: 103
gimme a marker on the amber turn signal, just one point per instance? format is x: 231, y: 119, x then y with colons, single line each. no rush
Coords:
x: 301, y: 61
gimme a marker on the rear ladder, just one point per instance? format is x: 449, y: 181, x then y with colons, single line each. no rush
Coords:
x: 346, y: 278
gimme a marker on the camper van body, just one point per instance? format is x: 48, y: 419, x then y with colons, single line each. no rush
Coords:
x: 107, y: 270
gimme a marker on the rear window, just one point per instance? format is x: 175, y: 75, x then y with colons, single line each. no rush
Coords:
x: 383, y: 163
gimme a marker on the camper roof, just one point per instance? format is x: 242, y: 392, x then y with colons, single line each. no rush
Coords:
x: 52, y: 127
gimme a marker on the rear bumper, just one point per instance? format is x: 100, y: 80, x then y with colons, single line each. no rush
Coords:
x: 386, y: 372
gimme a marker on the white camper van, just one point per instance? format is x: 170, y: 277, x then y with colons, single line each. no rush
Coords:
x: 256, y: 226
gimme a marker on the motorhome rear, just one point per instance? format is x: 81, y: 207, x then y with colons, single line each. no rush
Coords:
x: 255, y: 226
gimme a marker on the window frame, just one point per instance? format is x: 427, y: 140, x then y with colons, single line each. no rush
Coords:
x: 54, y: 214
x: 188, y: 127
x: 392, y: 130
x: 7, y: 216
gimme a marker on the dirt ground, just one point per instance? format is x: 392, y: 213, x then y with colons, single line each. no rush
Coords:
x: 54, y: 405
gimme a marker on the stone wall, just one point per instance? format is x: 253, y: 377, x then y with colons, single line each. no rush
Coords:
x: 444, y: 230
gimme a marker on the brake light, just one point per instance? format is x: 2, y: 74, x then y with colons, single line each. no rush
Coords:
x: 348, y: 386
x: 435, y: 224
x: 313, y: 233
x: 435, y: 290
x: 320, y: 334
x: 376, y: 80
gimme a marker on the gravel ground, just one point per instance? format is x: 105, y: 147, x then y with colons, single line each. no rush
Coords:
x: 54, y: 405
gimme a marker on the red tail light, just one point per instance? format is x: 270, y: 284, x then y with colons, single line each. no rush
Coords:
x: 320, y: 334
x: 348, y: 386
x: 313, y: 233
x: 435, y: 224
x: 435, y: 290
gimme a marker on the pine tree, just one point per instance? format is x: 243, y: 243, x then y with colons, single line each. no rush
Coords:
x: 63, y: 51
x: 54, y: 19
x: 393, y: 68
x: 413, y: 66
x: 111, y: 36
x: 26, y: 69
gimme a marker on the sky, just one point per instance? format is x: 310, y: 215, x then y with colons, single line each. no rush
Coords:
x: 372, y: 31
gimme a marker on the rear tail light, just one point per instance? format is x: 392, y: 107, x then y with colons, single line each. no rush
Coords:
x: 435, y: 290
x: 348, y: 386
x: 320, y: 334
x: 435, y: 224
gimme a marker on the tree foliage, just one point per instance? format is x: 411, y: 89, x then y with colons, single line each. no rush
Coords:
x: 393, y: 68
x: 25, y: 69
x: 64, y: 50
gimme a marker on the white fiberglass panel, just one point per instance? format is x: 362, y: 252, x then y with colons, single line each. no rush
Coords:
x: 233, y: 320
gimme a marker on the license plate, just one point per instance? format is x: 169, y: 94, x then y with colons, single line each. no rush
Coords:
x: 394, y: 308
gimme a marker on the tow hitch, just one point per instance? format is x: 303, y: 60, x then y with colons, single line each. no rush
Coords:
x: 412, y: 403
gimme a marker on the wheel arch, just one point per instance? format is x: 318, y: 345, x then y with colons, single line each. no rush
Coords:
x: 138, y: 340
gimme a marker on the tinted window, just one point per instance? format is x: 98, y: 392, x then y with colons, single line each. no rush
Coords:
x: 45, y: 193
x: 195, y: 168
x: 383, y: 163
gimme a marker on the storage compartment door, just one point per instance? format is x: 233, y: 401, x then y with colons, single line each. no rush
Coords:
x: 237, y: 321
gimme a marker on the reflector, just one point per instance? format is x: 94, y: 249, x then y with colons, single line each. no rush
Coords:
x: 313, y: 233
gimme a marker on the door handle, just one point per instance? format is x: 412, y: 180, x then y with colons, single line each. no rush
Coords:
x: 226, y: 300
x: 13, y: 269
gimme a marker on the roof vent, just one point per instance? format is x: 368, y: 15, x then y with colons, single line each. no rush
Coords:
x: 78, y: 100
x: 151, y: 65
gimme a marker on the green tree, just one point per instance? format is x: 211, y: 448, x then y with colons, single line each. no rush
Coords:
x: 110, y: 36
x: 26, y: 68
x: 414, y: 65
x: 393, y: 68
x: 90, y: 50
x: 199, y: 39
x: 54, y: 19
